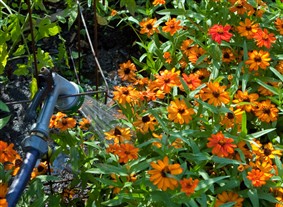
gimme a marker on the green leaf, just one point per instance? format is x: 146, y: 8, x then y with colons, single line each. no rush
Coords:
x: 5, y: 120
x: 225, y: 161
x: 259, y: 134
x: 21, y: 70
x: 252, y: 193
x: 279, y: 75
x: 268, y: 87
x: 3, y: 57
x: 20, y: 50
x: 33, y: 87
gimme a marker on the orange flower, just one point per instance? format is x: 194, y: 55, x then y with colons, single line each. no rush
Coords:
x: 172, y: 26
x: 194, y: 54
x: 125, y: 94
x: 127, y: 71
x: 222, y: 146
x: 145, y: 123
x: 186, y: 46
x: 232, y: 118
x: 158, y: 2
x: 55, y: 117
x: 240, y: 6
x: 113, y: 12
x: 148, y: 26
x: 192, y: 80
x: 257, y: 177
x: 167, y: 79
x: 266, y: 111
x: 258, y: 59
x: 3, y: 202
x: 84, y: 124
x: 7, y: 153
x: 266, y: 92
x: 227, y: 55
x: 264, y: 38
x: 162, y: 174
x: 167, y: 56
x: 215, y: 94
x: 65, y: 123
x: 3, y: 189
x: 279, y: 66
x: 249, y: 99
x: 279, y: 25
x: 226, y: 197
x: 248, y: 28
x: 188, y: 185
x: 118, y: 134
x: 127, y: 152
x: 179, y: 112
x: 219, y: 32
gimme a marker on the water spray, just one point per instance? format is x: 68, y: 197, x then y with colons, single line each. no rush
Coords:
x: 54, y: 91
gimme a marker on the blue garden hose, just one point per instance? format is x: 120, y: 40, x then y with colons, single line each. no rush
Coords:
x: 22, y: 178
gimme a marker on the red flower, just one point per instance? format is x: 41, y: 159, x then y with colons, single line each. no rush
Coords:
x: 219, y: 32
x: 222, y: 146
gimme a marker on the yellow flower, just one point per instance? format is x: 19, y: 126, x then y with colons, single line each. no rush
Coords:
x: 118, y: 134
x: 266, y: 111
x: 258, y: 60
x: 215, y: 94
x: 179, y: 112
x: 162, y: 174
x: 145, y: 123
x: 127, y: 71
x: 226, y: 197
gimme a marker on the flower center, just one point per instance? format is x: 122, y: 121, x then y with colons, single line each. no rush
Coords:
x: 248, y: 28
x: 267, y: 152
x: 149, y: 26
x: 127, y: 71
x: 257, y: 59
x: 215, y: 94
x: 165, y: 171
x: 145, y: 119
x: 117, y: 132
x: 226, y: 55
x: 230, y: 115
x: 266, y: 110
x: 126, y: 92
x: 181, y: 111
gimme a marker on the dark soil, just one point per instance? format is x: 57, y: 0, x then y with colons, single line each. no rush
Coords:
x: 114, y: 46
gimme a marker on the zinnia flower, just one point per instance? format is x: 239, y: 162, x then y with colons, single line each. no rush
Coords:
x: 3, y: 202
x: 179, y: 112
x: 226, y: 197
x: 148, y: 26
x: 166, y: 80
x: 127, y: 152
x: 221, y: 146
x: 172, y: 26
x: 7, y: 153
x: 219, y: 32
x: 215, y: 94
x: 84, y: 124
x: 158, y: 2
x: 3, y: 189
x: 258, y: 59
x: 248, y: 28
x: 162, y: 174
x: 118, y: 134
x: 186, y: 46
x: 249, y: 99
x: 240, y: 6
x: 264, y: 38
x: 266, y: 111
x: 192, y: 80
x: 127, y: 71
x: 65, y: 123
x: 188, y: 185
x: 279, y: 25
x: 125, y: 94
x: 145, y: 123
x: 167, y: 56
x: 227, y: 55
x: 257, y: 177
